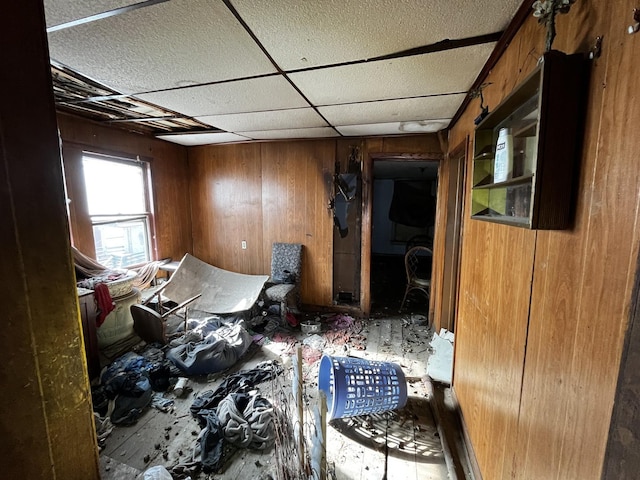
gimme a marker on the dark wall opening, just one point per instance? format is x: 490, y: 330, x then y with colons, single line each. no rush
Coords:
x: 403, y: 215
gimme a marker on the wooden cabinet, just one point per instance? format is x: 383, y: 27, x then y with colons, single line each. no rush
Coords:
x: 543, y: 116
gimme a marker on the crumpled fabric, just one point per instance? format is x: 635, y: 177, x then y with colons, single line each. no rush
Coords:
x: 160, y: 403
x: 104, y: 427
x: 242, y: 419
x: 104, y: 302
x: 210, y: 442
x: 247, y: 420
x: 347, y: 184
x: 216, y: 352
x: 341, y: 321
x: 126, y: 384
x: 242, y: 381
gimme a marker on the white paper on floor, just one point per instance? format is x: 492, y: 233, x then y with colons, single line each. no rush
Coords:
x: 440, y: 363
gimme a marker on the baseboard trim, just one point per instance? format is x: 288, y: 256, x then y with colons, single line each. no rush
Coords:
x: 468, y: 446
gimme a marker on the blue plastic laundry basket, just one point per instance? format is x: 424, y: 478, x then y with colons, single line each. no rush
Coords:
x: 354, y: 386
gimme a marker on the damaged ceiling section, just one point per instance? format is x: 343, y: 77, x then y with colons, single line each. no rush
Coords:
x: 77, y: 94
x: 199, y: 72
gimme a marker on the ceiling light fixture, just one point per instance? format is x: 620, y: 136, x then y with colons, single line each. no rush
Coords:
x: 421, y: 126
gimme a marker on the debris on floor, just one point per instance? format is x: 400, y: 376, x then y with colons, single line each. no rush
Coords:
x: 225, y: 422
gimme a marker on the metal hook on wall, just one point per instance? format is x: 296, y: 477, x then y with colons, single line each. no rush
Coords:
x: 596, y: 50
x: 477, y: 93
x: 636, y: 19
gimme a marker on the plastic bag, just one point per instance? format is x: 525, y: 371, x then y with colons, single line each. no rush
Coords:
x: 157, y: 473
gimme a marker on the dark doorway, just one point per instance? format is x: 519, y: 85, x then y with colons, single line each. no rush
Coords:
x: 403, y: 215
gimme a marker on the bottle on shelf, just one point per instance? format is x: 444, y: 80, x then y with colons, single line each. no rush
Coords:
x: 503, y: 166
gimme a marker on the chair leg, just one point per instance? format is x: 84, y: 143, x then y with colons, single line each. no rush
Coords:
x: 406, y: 292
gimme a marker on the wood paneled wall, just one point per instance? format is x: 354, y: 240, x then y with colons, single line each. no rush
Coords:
x: 543, y: 314
x: 169, y: 174
x: 226, y: 206
x: 264, y: 193
x: 222, y: 195
x: 279, y: 192
x: 46, y: 420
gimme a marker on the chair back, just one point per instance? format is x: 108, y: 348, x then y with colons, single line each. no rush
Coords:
x: 412, y: 261
x: 148, y: 324
x: 286, y: 260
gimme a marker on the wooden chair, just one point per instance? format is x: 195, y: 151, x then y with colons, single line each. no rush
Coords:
x: 149, y: 325
x: 414, y: 259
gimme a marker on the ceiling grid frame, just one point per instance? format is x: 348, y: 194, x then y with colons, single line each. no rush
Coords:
x: 381, y: 81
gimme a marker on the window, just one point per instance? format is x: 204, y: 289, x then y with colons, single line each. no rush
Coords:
x: 119, y: 208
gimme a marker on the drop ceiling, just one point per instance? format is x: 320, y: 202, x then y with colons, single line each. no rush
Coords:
x: 199, y: 72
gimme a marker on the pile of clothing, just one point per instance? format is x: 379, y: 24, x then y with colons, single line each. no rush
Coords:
x: 126, y: 386
x: 235, y: 414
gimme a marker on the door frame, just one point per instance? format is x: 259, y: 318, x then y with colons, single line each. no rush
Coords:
x: 452, y: 197
x: 367, y: 207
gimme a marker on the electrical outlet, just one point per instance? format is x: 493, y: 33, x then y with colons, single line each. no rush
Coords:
x: 244, y: 244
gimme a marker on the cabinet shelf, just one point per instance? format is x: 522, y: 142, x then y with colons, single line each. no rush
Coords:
x: 512, y: 181
x: 528, y: 130
x: 484, y: 156
x: 505, y: 219
x: 543, y: 115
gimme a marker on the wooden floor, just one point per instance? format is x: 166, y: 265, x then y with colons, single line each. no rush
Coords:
x: 393, y: 445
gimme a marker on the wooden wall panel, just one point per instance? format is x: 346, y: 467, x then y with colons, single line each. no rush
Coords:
x: 226, y: 206
x: 584, y: 277
x: 265, y: 193
x: 370, y: 147
x: 491, y: 336
x: 413, y: 144
x: 79, y: 220
x: 46, y: 417
x: 575, y: 284
x: 296, y: 182
x: 169, y: 172
x: 443, y: 210
x: 346, y: 250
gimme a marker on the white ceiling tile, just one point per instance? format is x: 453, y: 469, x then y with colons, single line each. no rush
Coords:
x: 443, y: 106
x: 442, y: 72
x: 193, y: 139
x: 311, y: 33
x: 257, y: 94
x: 319, y: 132
x: 393, y: 128
x: 63, y: 11
x: 172, y: 44
x: 271, y: 120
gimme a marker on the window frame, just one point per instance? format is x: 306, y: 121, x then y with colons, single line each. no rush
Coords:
x: 148, y: 215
